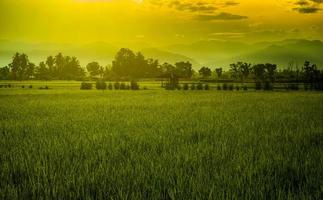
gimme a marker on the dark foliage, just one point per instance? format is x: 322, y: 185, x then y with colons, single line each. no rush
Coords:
x: 86, y: 86
x: 101, y: 85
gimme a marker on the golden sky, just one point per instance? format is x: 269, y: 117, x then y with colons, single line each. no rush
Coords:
x: 159, y: 22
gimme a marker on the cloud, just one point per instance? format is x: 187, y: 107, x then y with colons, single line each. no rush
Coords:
x: 231, y: 3
x: 308, y: 6
x: 199, y: 6
x: 192, y: 6
x: 221, y: 16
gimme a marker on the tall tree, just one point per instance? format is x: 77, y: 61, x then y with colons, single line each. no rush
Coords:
x: 21, y: 68
x: 123, y: 62
x: 42, y: 72
x: 205, y: 72
x: 219, y: 72
x: 94, y: 69
x: 184, y: 69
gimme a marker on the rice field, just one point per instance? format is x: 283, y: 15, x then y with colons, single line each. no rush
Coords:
x: 156, y: 144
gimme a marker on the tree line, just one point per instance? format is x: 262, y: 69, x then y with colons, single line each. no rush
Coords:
x: 128, y: 65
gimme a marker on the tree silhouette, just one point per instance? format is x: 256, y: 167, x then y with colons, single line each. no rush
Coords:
x: 219, y: 72
x: 184, y: 69
x: 42, y: 72
x: 94, y: 69
x: 21, y: 68
x: 205, y: 72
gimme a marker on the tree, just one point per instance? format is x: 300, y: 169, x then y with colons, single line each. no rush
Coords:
x: 123, y: 62
x: 240, y: 70
x: 59, y: 62
x: 205, y: 72
x: 94, y: 69
x: 184, y: 69
x: 311, y: 74
x: 5, y: 73
x: 219, y: 72
x: 244, y: 69
x: 42, y: 72
x: 270, y: 71
x: 259, y: 72
x: 21, y: 68
x: 50, y: 62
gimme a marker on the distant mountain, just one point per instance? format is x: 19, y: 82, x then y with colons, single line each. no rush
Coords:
x: 216, y: 53
x: 165, y: 56
x: 212, y: 53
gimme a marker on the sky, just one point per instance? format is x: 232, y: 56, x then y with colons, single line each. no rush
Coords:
x: 159, y: 22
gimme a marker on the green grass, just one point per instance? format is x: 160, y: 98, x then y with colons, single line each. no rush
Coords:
x: 156, y: 144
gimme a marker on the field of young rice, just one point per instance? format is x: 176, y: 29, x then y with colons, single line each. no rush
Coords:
x: 157, y: 144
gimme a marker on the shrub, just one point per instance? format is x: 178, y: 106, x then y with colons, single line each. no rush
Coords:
x: 30, y: 86
x: 122, y: 86
x: 245, y: 88
x: 84, y: 86
x: 9, y: 85
x: 268, y: 86
x: 178, y: 87
x: 230, y: 87
x: 46, y: 88
x: 193, y: 87
x: 145, y: 88
x: 101, y: 85
x: 237, y: 87
x: 206, y: 87
x: 116, y: 85
x: 219, y: 87
x: 258, y: 86
x: 110, y: 86
x: 127, y: 87
x: 1, y: 86
x: 185, y: 86
x: 22, y: 86
x: 199, y: 86
x: 225, y: 86
x: 134, y: 85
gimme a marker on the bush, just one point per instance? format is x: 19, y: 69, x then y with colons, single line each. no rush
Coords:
x: 134, y: 85
x: 127, y: 87
x: 1, y: 86
x: 84, y: 86
x: 178, y: 87
x: 237, y: 87
x: 22, y: 86
x: 268, y: 86
x: 116, y: 85
x: 199, y: 86
x: 245, y: 88
x: 30, y: 86
x: 206, y: 87
x: 46, y: 87
x: 110, y: 86
x: 225, y: 86
x: 9, y: 85
x: 258, y: 86
x: 219, y: 87
x: 122, y: 86
x: 230, y: 87
x: 101, y: 85
x: 185, y: 86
